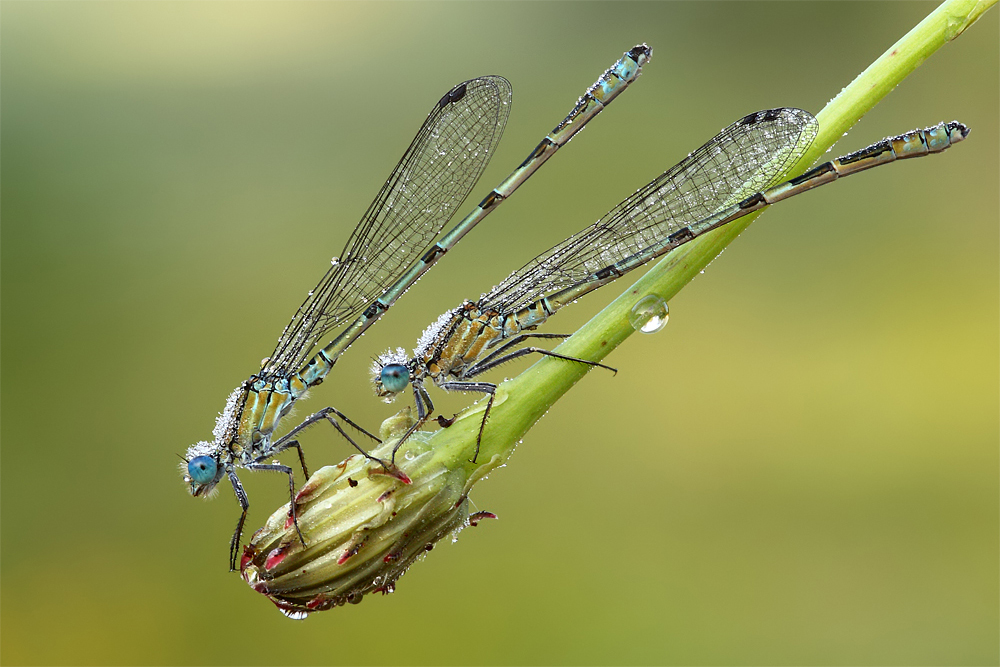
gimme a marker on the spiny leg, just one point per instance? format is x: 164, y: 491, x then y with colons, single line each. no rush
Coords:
x: 349, y: 421
x: 284, y: 444
x: 484, y: 388
x: 277, y: 467
x: 482, y: 367
x: 356, y: 445
x: 241, y: 496
x: 324, y: 415
x: 420, y: 396
x: 516, y: 340
x: 302, y: 459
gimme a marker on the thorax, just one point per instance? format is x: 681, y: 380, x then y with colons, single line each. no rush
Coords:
x: 459, y: 342
x: 265, y: 401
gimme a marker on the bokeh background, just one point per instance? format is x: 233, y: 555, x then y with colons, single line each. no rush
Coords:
x: 801, y: 468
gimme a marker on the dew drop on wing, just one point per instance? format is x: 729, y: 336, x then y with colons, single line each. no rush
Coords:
x: 649, y: 314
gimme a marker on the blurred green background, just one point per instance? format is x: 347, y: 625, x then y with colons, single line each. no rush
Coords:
x: 802, y: 468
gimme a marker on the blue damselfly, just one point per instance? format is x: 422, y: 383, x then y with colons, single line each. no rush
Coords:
x: 389, y: 250
x: 729, y: 177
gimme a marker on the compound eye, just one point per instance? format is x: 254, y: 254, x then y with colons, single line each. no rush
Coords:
x: 395, y: 377
x: 201, y: 469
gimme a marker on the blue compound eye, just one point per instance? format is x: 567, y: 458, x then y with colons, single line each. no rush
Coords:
x: 201, y: 469
x: 395, y: 377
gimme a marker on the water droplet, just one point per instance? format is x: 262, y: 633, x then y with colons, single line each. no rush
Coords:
x: 649, y: 314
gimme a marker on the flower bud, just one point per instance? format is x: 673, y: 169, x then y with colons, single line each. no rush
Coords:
x: 363, y: 525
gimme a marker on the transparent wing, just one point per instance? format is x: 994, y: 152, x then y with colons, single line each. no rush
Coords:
x: 435, y: 175
x: 743, y: 159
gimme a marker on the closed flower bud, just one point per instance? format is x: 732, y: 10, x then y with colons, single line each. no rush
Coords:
x: 363, y: 525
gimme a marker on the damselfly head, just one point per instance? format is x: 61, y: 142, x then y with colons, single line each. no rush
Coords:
x: 201, y: 469
x: 390, y: 373
x: 394, y: 378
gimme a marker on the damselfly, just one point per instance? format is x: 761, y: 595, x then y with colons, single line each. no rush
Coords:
x: 378, y: 264
x: 727, y: 178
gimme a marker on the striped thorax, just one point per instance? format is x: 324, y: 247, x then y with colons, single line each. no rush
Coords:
x: 460, y: 343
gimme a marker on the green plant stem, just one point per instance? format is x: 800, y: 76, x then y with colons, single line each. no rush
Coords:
x: 523, y: 400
